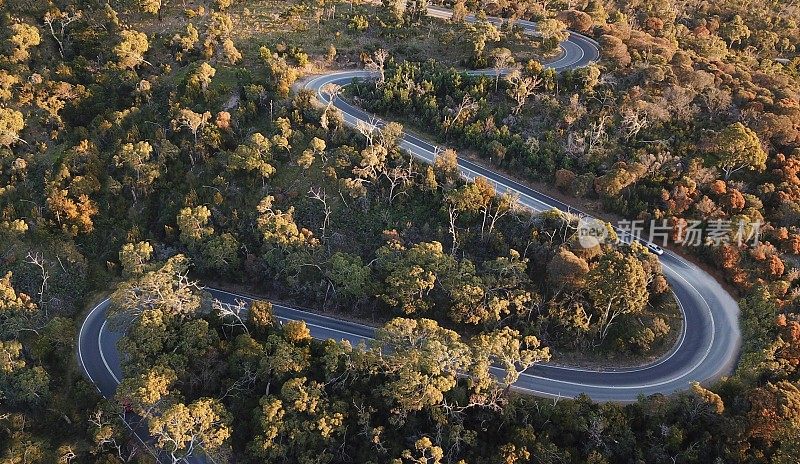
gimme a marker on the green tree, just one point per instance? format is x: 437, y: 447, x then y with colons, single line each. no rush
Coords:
x: 315, y: 147
x: 201, y: 77
x: 193, y: 224
x: 224, y: 4
x: 22, y: 38
x: 195, y: 122
x: 137, y: 159
x: 501, y: 58
x: 152, y: 7
x: 551, y: 33
x: 738, y: 147
x: 296, y: 332
x: 21, y: 384
x: 396, y: 10
x: 279, y: 228
x: 520, y: 88
x: 597, y: 10
x: 348, y: 277
x: 734, y: 31
x: 148, y: 393
x: 255, y: 155
x: 300, y: 425
x: 260, y: 316
x: 709, y: 397
x: 281, y: 74
x: 7, y: 83
x: 182, y: 430
x: 11, y: 124
x: 269, y: 424
x: 131, y: 49
x: 221, y: 253
x: 481, y: 33
x: 283, y: 357
x: 134, y: 257
x: 410, y: 274
x: 418, y: 9
x: 617, y: 285
x: 425, y: 361
x: 480, y: 197
x: 220, y: 27
x: 164, y: 293
x: 109, y: 433
x: 187, y: 42
x: 358, y: 23
x: 507, y: 349
x: 18, y: 313
x: 424, y: 452
x: 459, y: 11
x: 446, y: 166
x: 229, y: 51
x: 498, y: 290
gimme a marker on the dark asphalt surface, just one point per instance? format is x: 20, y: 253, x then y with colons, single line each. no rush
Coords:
x: 706, y: 350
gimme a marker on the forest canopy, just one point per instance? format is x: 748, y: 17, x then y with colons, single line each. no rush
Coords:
x: 149, y: 148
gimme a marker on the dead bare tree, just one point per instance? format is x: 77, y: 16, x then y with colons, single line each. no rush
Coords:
x: 37, y: 260
x: 368, y: 129
x: 597, y: 132
x: 492, y: 399
x: 503, y: 204
x: 67, y: 455
x: 331, y: 91
x: 232, y: 315
x: 243, y: 383
x: 105, y: 437
x: 377, y: 63
x: 521, y: 88
x: 398, y: 176
x: 467, y: 105
x: 633, y: 121
x: 452, y: 214
x: 319, y: 194
x: 57, y: 22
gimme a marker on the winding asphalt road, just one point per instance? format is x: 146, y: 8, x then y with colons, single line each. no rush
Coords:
x: 707, y: 347
x: 709, y: 343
